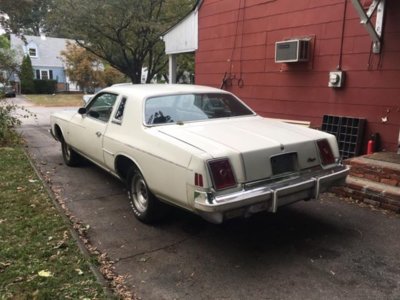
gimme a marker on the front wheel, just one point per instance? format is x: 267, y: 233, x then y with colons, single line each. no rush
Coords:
x: 71, y: 158
x: 145, y: 206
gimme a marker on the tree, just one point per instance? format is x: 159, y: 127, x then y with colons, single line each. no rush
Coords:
x: 25, y: 17
x: 9, y: 112
x: 4, y: 42
x: 8, y: 60
x: 184, y: 70
x: 87, y: 70
x: 111, y: 76
x: 26, y: 76
x: 125, y: 33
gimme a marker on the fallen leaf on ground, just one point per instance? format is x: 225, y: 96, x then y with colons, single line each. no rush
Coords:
x: 143, y: 259
x: 4, y: 266
x: 60, y: 245
x: 79, y: 271
x: 18, y: 279
x: 45, y: 273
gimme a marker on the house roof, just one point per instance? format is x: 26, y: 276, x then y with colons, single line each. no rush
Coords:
x: 48, y: 49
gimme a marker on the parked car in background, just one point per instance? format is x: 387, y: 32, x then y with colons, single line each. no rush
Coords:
x: 8, y: 90
x: 198, y: 148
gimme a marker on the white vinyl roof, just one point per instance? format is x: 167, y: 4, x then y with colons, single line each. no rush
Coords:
x: 153, y: 90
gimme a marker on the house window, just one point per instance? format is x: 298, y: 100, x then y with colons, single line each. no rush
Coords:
x: 44, y: 74
x: 32, y: 52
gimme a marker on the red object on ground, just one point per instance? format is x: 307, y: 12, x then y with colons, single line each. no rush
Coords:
x: 371, y: 146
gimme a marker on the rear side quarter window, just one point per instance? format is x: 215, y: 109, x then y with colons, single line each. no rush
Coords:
x: 119, y: 114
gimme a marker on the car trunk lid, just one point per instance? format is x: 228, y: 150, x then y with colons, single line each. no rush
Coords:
x: 267, y: 147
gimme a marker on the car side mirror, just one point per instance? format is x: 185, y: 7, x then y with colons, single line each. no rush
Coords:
x: 82, y: 110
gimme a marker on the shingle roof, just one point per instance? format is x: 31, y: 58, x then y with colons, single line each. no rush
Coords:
x: 49, y: 49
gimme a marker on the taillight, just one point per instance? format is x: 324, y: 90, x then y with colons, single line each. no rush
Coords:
x: 325, y: 152
x: 222, y: 174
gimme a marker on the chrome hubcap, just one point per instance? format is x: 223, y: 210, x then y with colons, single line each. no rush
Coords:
x: 139, y: 194
x: 67, y: 151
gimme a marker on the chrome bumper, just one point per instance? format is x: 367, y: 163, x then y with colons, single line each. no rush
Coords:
x: 271, y: 196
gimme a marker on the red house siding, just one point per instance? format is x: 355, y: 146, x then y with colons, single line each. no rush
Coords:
x: 237, y: 37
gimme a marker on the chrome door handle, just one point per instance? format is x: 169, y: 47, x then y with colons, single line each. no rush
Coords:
x: 98, y: 133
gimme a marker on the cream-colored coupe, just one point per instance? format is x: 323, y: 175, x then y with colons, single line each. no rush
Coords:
x: 198, y: 148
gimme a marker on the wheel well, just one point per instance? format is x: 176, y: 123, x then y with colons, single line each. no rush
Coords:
x: 122, y: 166
x: 58, y: 133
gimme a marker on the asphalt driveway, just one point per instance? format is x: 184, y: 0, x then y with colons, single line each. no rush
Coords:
x: 328, y: 249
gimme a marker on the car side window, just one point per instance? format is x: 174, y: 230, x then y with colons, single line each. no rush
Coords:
x: 101, y: 107
x: 120, y: 111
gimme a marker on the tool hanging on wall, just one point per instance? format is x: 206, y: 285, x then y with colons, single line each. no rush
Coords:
x: 230, y: 77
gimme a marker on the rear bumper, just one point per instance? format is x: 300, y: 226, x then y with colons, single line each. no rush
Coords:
x: 270, y: 196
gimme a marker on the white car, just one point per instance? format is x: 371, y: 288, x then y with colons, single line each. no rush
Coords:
x: 198, y: 148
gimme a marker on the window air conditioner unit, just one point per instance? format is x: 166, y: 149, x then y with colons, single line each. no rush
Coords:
x: 296, y: 50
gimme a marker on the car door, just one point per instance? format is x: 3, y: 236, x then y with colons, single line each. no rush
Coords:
x: 87, y: 130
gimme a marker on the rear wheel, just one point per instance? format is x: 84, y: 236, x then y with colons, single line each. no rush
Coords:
x: 71, y: 158
x: 145, y: 206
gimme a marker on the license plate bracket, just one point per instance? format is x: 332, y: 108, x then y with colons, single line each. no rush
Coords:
x: 284, y: 163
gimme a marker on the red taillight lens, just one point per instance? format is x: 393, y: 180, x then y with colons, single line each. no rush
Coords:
x: 222, y: 174
x: 325, y: 152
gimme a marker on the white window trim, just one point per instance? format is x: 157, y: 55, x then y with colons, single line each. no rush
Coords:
x: 44, y: 70
x: 36, y: 51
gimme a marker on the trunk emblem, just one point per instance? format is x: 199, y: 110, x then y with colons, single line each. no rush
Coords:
x: 311, y: 159
x: 282, y: 147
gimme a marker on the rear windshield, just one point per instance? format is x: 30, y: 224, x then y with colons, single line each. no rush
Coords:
x: 193, y: 107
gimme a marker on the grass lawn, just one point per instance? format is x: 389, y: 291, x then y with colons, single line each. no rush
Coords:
x: 56, y: 100
x: 38, y: 257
